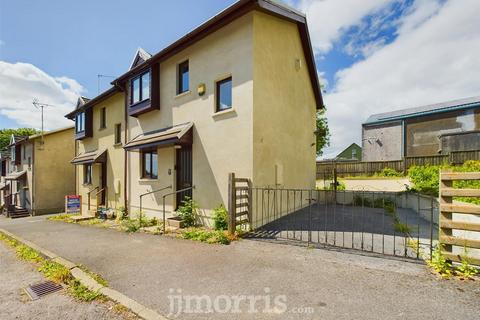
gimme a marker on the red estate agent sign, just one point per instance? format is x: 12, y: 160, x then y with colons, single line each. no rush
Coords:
x: 73, y: 204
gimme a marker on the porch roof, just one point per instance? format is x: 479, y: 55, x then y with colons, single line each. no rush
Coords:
x: 176, y: 135
x: 97, y: 156
x: 16, y: 175
x: 3, y: 186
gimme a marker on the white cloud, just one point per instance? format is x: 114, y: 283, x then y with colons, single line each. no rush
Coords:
x: 327, y: 19
x: 434, y: 58
x: 20, y: 83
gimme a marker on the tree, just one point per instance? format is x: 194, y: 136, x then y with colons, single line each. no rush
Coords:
x: 322, y: 132
x: 5, y: 135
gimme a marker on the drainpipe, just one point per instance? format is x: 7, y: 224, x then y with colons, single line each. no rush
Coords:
x: 34, y: 209
x: 125, y: 155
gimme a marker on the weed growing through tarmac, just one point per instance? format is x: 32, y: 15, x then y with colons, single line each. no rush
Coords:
x: 208, y: 236
x: 82, y: 293
x: 94, y: 275
x: 28, y: 254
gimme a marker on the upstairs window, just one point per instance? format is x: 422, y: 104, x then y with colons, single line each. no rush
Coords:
x: 103, y: 118
x: 118, y: 133
x: 140, y: 88
x: 149, y: 165
x: 183, y: 77
x: 80, y: 122
x: 223, y: 99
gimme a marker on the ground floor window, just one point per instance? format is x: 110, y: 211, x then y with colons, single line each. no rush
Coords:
x: 87, y: 174
x: 149, y: 164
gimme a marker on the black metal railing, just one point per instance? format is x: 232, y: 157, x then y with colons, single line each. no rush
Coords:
x: 151, y: 192
x: 171, y: 194
x: 390, y: 223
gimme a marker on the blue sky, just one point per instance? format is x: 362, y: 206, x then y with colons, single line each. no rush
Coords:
x: 373, y: 55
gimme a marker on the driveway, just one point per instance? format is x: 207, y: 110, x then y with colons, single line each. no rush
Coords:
x: 289, y: 282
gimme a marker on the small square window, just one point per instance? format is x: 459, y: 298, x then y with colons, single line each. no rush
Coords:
x: 87, y: 174
x: 224, y: 94
x: 118, y: 133
x: 183, y: 77
x: 149, y: 165
x: 103, y: 118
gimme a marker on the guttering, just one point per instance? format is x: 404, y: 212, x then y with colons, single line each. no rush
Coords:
x: 101, y: 97
x: 466, y: 106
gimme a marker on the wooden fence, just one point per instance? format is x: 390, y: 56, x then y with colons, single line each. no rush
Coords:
x: 450, y: 224
x: 357, y: 168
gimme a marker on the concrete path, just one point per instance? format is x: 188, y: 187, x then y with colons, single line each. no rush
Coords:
x: 15, y: 304
x: 297, y: 283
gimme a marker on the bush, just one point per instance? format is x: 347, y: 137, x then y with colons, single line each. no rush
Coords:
x: 208, y: 236
x: 388, y: 172
x: 220, y: 218
x: 55, y: 271
x: 188, y: 212
x: 426, y: 179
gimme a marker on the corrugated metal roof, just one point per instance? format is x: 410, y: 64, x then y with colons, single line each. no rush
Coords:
x: 472, y: 102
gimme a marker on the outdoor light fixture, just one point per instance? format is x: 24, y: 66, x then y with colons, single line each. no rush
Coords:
x: 201, y: 89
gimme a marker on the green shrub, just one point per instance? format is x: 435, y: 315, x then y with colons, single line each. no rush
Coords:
x: 439, y: 263
x: 220, y: 218
x: 426, y: 179
x: 388, y: 172
x: 197, y: 234
x: 188, y: 212
x: 131, y: 225
x: 402, y: 227
x: 122, y: 213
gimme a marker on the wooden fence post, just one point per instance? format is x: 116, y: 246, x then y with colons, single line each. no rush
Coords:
x: 444, y: 215
x: 231, y: 203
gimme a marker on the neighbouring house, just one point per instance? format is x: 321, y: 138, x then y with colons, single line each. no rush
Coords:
x: 5, y: 168
x: 352, y: 153
x: 99, y: 156
x: 423, y: 131
x: 237, y: 94
x: 39, y: 176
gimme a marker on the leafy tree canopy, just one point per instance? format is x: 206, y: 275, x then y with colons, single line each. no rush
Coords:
x: 323, y: 132
x: 5, y: 135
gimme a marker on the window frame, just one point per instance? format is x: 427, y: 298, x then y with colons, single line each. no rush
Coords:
x: 218, y: 83
x: 80, y: 126
x: 149, y: 153
x: 103, y: 118
x: 117, y: 135
x: 140, y: 88
x: 180, y: 87
x: 87, y: 174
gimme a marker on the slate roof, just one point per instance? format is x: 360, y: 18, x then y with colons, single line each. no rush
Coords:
x: 472, y: 102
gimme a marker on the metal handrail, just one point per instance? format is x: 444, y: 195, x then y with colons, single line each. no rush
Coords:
x: 169, y: 194
x: 150, y: 192
x: 88, y: 194
x: 101, y: 191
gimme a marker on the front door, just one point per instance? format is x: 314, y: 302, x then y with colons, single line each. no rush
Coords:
x: 184, y: 172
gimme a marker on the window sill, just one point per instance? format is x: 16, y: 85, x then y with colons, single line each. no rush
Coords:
x: 118, y: 145
x: 224, y: 112
x: 86, y: 184
x: 147, y: 180
x: 183, y: 94
x: 101, y: 129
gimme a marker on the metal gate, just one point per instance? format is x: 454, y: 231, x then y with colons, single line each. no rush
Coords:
x: 388, y: 223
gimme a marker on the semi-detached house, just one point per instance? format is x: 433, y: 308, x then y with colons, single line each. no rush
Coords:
x: 237, y: 94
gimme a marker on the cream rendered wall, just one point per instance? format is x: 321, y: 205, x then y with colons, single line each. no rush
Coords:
x: 104, y: 138
x: 54, y: 175
x: 284, y: 107
x: 221, y: 142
